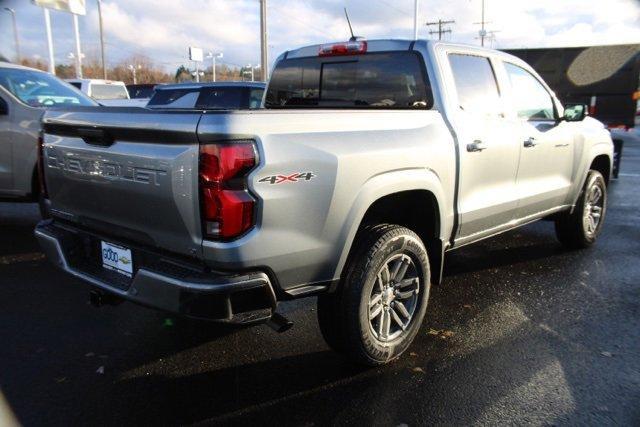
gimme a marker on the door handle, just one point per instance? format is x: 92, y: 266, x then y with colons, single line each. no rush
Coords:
x: 530, y: 142
x: 476, y: 146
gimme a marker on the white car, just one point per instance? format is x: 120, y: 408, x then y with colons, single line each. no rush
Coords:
x: 107, y: 92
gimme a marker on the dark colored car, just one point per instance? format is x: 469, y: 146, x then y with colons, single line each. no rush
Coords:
x: 144, y: 90
x: 209, y: 96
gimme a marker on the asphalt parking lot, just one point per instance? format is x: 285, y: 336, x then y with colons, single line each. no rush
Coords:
x: 521, y: 332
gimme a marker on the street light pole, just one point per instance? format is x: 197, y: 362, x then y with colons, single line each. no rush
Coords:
x: 78, y: 54
x: 415, y: 20
x: 250, y: 67
x: 47, y: 24
x: 213, y: 68
x: 264, y: 52
x: 133, y: 69
x: 15, y: 32
x: 214, y: 56
x: 104, y: 67
x: 483, y: 32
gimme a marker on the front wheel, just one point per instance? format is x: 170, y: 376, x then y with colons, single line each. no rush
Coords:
x: 580, y: 228
x: 382, y: 300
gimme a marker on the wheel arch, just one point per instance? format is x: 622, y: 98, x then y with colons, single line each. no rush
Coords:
x: 602, y: 163
x: 599, y: 156
x: 404, y: 198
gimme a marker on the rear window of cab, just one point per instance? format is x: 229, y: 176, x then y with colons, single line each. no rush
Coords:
x: 385, y: 80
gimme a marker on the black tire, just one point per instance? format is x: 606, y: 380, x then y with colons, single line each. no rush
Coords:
x: 573, y: 229
x: 347, y: 320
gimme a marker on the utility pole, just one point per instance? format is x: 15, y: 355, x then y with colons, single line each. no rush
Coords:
x: 264, y: 49
x: 78, y: 53
x: 441, y: 30
x: 415, y: 20
x: 104, y: 66
x: 483, y: 31
x: 47, y: 24
x: 15, y: 32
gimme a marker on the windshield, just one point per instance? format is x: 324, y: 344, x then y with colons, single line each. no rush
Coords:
x: 107, y: 91
x: 389, y: 80
x: 38, y: 89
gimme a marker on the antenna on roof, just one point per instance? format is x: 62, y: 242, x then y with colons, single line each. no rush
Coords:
x: 353, y: 38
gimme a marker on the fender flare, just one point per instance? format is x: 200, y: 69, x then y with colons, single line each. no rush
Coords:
x: 385, y: 184
x: 598, y: 149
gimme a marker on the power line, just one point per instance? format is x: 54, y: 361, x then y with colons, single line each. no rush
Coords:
x: 306, y: 24
x: 397, y: 9
x: 441, y: 30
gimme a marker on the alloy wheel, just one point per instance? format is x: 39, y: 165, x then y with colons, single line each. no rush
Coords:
x: 394, y: 298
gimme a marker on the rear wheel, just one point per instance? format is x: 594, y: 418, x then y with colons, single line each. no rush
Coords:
x: 580, y: 228
x: 382, y: 300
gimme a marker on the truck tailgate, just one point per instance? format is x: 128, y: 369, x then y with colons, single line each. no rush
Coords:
x: 129, y: 173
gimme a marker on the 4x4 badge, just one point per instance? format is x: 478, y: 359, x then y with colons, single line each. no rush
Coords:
x: 294, y: 177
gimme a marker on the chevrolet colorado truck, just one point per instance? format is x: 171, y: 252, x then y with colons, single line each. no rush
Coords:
x: 369, y: 161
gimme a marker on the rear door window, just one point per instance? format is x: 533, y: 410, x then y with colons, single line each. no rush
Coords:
x: 106, y: 91
x: 476, y: 84
x: 389, y: 80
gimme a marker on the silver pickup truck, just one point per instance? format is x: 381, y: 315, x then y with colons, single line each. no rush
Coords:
x: 370, y: 161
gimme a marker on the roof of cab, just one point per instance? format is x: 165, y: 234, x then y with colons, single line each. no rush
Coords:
x: 97, y: 81
x: 385, y: 45
x: 193, y: 85
x: 379, y: 45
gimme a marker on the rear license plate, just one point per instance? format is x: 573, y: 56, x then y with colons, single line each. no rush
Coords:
x: 117, y: 258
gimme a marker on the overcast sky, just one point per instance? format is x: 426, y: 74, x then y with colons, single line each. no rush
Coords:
x: 163, y: 29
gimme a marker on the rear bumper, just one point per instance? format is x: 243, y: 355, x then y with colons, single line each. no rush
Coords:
x: 164, y: 283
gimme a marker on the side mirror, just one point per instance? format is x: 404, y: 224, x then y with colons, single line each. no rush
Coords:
x: 575, y: 112
x: 4, y: 108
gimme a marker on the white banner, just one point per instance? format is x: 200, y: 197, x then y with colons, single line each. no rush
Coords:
x: 77, y: 7
x: 196, y: 54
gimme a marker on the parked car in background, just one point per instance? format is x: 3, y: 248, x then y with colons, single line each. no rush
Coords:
x: 369, y: 161
x: 107, y: 92
x: 210, y: 96
x: 141, y: 91
x: 140, y: 94
x: 24, y: 94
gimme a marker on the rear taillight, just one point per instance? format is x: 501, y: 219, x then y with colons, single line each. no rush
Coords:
x: 227, y: 208
x: 592, y: 106
x: 43, y: 186
x: 354, y: 47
